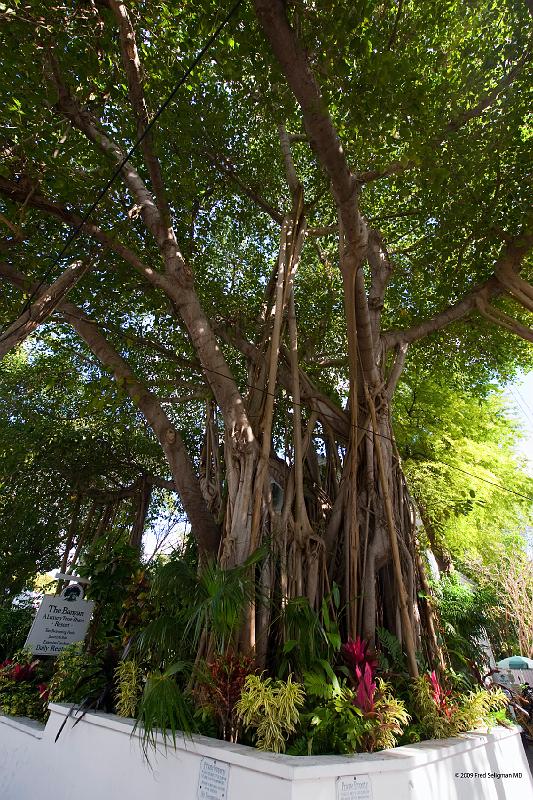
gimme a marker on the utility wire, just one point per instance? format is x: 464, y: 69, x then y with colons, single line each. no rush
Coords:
x: 86, y: 216
x: 125, y: 336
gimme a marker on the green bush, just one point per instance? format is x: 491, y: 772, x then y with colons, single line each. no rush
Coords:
x: 439, y: 713
x: 77, y: 675
x: 23, y: 690
x: 15, y: 623
x: 129, y: 688
x: 271, y: 710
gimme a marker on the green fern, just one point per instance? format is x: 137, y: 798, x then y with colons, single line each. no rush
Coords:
x: 394, y: 653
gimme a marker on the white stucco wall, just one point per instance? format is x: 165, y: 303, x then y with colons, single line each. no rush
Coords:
x: 98, y: 759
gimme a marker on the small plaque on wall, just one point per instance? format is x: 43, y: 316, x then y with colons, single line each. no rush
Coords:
x: 354, y: 787
x: 213, y: 780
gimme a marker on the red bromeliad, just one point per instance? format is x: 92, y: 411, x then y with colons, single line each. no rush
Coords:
x: 44, y: 691
x: 19, y: 672
x: 362, y: 666
x: 441, y: 697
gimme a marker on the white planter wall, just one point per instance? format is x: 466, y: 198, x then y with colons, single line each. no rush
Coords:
x: 98, y: 759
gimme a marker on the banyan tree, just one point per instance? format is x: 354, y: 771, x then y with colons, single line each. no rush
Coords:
x: 332, y: 192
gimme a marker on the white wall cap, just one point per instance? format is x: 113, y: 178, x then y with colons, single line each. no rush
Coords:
x: 306, y: 767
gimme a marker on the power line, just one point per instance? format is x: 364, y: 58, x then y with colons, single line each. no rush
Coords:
x: 125, y: 336
x: 522, y: 405
x: 86, y: 216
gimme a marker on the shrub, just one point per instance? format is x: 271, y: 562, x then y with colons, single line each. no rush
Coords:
x: 129, y: 680
x: 77, y: 675
x: 15, y: 623
x: 339, y: 724
x: 438, y: 713
x: 219, y: 689
x: 271, y: 709
x: 23, y: 690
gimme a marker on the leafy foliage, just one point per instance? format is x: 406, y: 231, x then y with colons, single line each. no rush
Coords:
x: 391, y: 656
x: 220, y: 684
x: 362, y: 669
x: 23, y: 690
x: 437, y: 714
x: 164, y: 709
x: 15, y: 623
x: 458, y: 449
x: 190, y: 599
x: 129, y: 688
x: 311, y: 639
x: 339, y: 725
x: 467, y: 615
x: 271, y: 709
x: 77, y: 675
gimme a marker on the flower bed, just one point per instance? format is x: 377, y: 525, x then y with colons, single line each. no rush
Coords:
x: 99, y: 758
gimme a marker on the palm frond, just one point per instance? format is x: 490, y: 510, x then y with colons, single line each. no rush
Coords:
x: 164, y: 708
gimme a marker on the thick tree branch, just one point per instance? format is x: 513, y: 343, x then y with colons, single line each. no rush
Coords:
x: 186, y: 481
x: 325, y: 141
x: 183, y: 299
x: 499, y: 317
x: 163, y: 233
x: 43, y: 305
x: 132, y: 66
x: 396, y: 370
x: 18, y: 193
x: 510, y: 260
x: 328, y: 412
x: 322, y: 135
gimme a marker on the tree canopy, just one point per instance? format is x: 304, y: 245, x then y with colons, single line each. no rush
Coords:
x: 334, y: 203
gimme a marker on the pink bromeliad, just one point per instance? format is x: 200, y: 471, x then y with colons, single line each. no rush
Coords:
x: 362, y: 666
x: 441, y: 697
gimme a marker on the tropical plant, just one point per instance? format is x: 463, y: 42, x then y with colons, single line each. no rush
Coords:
x: 111, y: 568
x: 23, y: 690
x: 340, y: 725
x: 192, y: 601
x: 271, y: 709
x: 391, y: 657
x: 468, y: 616
x: 334, y: 725
x: 439, y: 712
x: 219, y: 684
x: 85, y: 679
x: 311, y: 639
x: 382, y: 153
x: 165, y: 709
x: 361, y: 666
x: 129, y: 679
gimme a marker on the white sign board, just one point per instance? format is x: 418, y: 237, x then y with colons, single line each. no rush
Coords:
x: 58, y: 623
x: 213, y: 780
x: 354, y: 787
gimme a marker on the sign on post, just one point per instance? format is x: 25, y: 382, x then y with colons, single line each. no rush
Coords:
x: 60, y: 621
